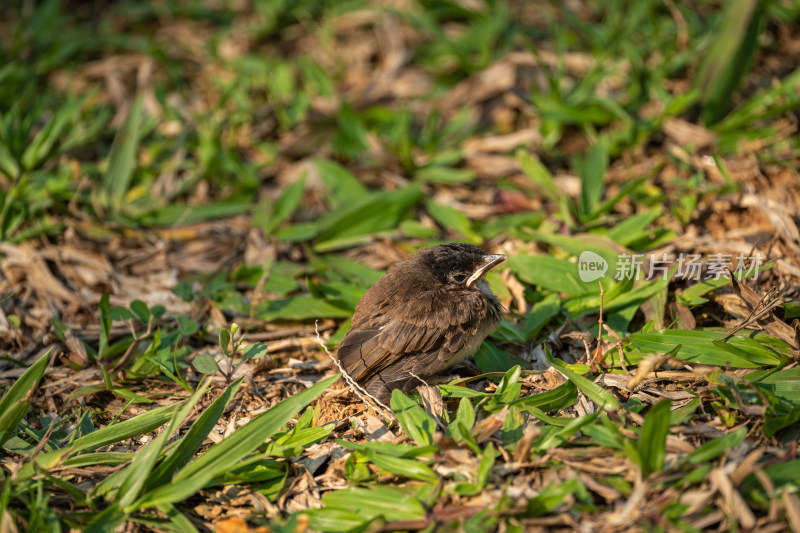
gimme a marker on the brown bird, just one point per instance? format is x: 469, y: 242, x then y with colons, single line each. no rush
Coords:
x: 426, y: 314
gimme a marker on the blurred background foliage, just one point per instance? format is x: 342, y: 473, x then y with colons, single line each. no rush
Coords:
x: 120, y: 111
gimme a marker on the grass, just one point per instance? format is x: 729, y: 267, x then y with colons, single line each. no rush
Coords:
x: 188, y: 188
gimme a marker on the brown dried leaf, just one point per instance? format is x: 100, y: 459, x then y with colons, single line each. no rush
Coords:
x: 237, y: 525
x: 495, y: 80
x: 516, y: 289
x: 432, y: 403
x: 607, y: 493
x: 734, y: 504
x: 792, y: 506
x: 686, y: 133
x: 522, y: 452
x: 502, y: 143
x: 772, y: 324
x: 650, y: 364
x: 487, y: 427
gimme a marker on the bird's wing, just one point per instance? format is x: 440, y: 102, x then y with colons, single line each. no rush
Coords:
x: 366, y: 351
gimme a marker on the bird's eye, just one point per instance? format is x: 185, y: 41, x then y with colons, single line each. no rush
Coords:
x: 459, y: 278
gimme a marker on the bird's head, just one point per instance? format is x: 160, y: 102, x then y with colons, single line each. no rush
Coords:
x: 457, y: 265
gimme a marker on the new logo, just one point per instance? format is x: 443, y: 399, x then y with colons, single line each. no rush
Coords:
x: 591, y: 266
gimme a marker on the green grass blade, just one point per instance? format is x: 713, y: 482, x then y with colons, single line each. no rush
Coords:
x: 786, y: 383
x: 551, y: 497
x: 766, y: 104
x: 551, y: 273
x: 100, y: 458
x: 220, y: 456
x: 783, y: 474
x: 10, y: 419
x: 269, y: 217
x: 453, y: 219
x: 191, y: 442
x: 624, y: 191
x: 334, y: 520
x: 135, y: 475
x: 561, y: 433
x: 8, y: 163
x: 714, y: 448
x: 41, y: 147
x: 413, y: 419
x: 704, y: 347
x: 225, y: 455
x: 389, y: 448
x: 179, y: 213
x: 399, y: 466
x: 122, y: 159
x: 366, y: 214
x: 653, y: 437
x: 133, y: 427
x: 540, y: 315
x: 507, y: 390
x: 540, y: 176
x: 109, y: 519
x: 604, y: 399
x: 14, y: 403
x: 465, y: 417
x: 392, y: 503
x: 177, y: 520
x: 341, y: 183
x: 485, y: 466
x: 730, y: 55
x: 592, y: 170
x: 631, y: 228
x: 559, y: 398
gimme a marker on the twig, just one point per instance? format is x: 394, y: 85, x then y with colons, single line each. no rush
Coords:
x: 413, y: 375
x: 43, y: 442
x: 259, y: 290
x: 682, y: 37
x: 126, y: 358
x: 618, y: 344
x: 581, y: 336
x: 767, y: 303
x: 599, y: 325
x: 357, y: 389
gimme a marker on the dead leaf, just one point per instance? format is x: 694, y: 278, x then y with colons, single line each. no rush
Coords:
x: 734, y: 505
x: 792, y: 506
x: 522, y: 451
x: 237, y: 525
x: 650, y: 364
x: 433, y: 403
x: 502, y: 143
x: 487, y: 427
x: 762, y: 306
x: 686, y: 133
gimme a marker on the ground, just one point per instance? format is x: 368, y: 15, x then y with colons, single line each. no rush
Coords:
x: 196, y: 194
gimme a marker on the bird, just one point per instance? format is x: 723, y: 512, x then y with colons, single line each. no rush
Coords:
x: 424, y: 315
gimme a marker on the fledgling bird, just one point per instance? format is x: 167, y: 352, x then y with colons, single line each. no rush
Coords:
x: 423, y: 316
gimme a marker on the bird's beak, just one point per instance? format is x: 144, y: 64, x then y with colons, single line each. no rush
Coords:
x: 489, y: 261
